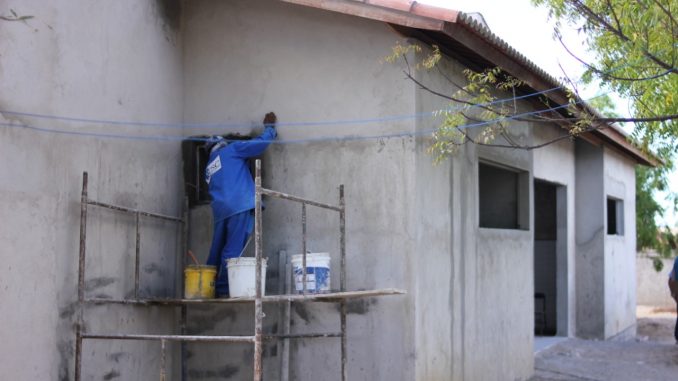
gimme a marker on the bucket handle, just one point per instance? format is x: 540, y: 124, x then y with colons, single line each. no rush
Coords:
x: 249, y: 239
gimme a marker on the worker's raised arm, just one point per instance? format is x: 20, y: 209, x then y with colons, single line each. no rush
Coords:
x: 257, y: 146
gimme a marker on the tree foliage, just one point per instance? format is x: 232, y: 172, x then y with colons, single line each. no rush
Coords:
x: 636, y: 53
x: 635, y: 45
x: 482, y: 108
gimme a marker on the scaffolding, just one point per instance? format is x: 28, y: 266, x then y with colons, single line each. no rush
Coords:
x: 341, y: 296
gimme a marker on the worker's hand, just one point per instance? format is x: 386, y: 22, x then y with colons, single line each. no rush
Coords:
x: 270, y: 120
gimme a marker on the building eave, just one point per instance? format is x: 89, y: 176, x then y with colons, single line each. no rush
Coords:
x: 452, y: 30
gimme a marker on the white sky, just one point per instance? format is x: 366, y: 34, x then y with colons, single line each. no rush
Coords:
x: 528, y: 30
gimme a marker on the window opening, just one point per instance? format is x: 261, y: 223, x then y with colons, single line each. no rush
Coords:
x: 615, y: 216
x: 503, y: 197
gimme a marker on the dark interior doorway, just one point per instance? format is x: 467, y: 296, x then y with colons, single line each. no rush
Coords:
x: 549, y: 235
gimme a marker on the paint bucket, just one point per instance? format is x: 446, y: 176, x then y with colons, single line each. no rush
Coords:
x: 317, y: 273
x: 199, y: 282
x: 242, y: 275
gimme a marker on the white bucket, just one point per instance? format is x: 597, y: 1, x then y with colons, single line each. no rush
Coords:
x: 242, y: 275
x: 317, y: 273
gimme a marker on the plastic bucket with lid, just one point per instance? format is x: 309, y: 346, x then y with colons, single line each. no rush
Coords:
x: 317, y: 273
x: 242, y: 275
x: 199, y: 282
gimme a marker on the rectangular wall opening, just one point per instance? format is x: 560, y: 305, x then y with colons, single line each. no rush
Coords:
x: 550, y: 259
x: 615, y: 216
x: 503, y: 197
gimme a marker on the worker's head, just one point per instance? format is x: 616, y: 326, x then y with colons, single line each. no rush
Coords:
x: 213, y: 142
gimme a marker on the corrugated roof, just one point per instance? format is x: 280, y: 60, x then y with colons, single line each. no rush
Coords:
x: 460, y: 35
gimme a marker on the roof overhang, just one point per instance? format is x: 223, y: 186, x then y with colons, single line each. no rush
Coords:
x: 464, y: 39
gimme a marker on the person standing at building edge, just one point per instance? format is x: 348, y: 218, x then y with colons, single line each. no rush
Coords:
x: 673, y: 286
x: 232, y: 190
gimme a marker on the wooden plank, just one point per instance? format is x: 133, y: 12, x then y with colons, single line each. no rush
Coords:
x: 329, y: 297
x: 192, y: 338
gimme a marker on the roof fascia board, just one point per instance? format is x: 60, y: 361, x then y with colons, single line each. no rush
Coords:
x: 373, y: 12
x: 619, y: 139
x: 499, y: 58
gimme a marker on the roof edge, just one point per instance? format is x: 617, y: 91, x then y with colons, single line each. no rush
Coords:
x: 609, y: 133
x: 406, y: 13
x: 464, y: 29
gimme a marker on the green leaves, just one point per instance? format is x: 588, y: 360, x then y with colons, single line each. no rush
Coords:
x: 636, y: 48
x: 635, y: 44
x: 474, y: 103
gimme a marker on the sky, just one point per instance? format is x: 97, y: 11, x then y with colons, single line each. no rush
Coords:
x: 528, y: 29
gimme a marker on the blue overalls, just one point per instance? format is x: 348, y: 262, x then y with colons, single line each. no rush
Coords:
x: 232, y: 190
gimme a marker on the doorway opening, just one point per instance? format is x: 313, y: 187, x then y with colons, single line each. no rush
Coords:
x: 550, y: 259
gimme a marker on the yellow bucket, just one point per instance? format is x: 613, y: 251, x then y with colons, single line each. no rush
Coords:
x: 199, y: 282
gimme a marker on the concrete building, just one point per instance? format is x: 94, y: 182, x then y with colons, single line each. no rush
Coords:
x: 471, y: 258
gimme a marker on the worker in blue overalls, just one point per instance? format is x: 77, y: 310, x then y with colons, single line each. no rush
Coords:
x: 232, y: 190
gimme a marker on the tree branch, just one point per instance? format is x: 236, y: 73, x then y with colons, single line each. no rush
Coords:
x: 667, y: 12
x: 463, y: 101
x: 660, y: 118
x: 619, y: 33
x: 606, y: 75
x: 614, y: 14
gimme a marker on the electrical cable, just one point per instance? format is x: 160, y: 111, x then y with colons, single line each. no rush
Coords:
x: 290, y: 124
x: 288, y: 141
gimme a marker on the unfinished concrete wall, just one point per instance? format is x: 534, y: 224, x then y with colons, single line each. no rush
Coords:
x: 106, y: 60
x: 651, y: 286
x: 437, y: 356
x: 590, y: 238
x: 556, y: 164
x: 620, y: 249
x: 474, y: 285
x: 605, y: 262
x: 245, y: 58
x: 501, y: 292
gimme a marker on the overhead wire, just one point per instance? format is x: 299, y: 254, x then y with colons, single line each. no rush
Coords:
x: 289, y: 141
x: 289, y: 124
x: 249, y: 125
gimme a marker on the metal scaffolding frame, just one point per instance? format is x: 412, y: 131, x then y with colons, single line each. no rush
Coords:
x: 341, y: 297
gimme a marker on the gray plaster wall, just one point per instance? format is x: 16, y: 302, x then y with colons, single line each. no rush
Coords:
x: 438, y: 350
x: 474, y: 285
x: 500, y: 279
x: 620, y: 250
x: 556, y: 164
x: 590, y: 240
x: 243, y: 59
x: 105, y: 60
x: 651, y: 286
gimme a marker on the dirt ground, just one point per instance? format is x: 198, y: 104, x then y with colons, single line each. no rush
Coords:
x: 653, y: 355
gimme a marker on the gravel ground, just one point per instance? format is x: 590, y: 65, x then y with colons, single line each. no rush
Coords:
x: 653, y: 355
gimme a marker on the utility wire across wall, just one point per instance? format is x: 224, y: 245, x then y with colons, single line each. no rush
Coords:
x: 249, y: 125
x: 246, y: 125
x: 290, y: 141
x: 293, y: 124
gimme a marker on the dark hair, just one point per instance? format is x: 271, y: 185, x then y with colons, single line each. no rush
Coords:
x: 231, y: 137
